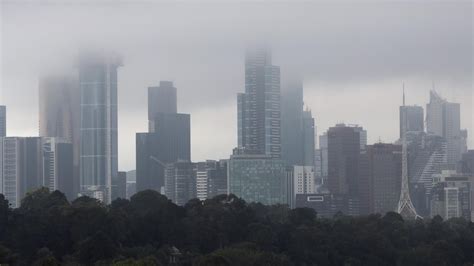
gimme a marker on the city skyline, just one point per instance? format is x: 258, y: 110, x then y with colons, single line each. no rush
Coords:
x: 209, y: 94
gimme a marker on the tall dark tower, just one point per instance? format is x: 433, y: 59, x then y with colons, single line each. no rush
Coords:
x: 162, y: 99
x: 98, y: 88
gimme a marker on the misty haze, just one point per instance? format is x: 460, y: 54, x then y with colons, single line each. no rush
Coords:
x: 236, y: 132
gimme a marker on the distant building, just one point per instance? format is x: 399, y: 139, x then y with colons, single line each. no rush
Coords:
x: 180, y: 182
x: 427, y: 156
x: 292, y: 141
x: 323, y: 147
x: 298, y: 128
x: 211, y: 179
x: 28, y: 163
x: 467, y: 162
x: 258, y: 178
x: 452, y: 195
x: 443, y: 119
x: 170, y: 143
x: 168, y: 139
x: 99, y: 143
x: 161, y: 99
x: 60, y: 115
x: 259, y: 115
x: 415, y: 121
x: 131, y: 183
x: 303, y: 182
x: 121, y: 185
x: 345, y: 144
x: 58, y: 167
x: 3, y: 121
x: 384, y: 177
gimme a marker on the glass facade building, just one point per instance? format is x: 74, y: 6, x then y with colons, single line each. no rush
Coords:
x: 258, y: 178
x: 98, y: 88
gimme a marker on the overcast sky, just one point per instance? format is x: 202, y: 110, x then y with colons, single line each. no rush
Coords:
x: 353, y: 55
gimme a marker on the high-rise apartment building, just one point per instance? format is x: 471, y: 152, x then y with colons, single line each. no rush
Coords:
x: 99, y: 143
x: 211, y: 179
x: 259, y: 116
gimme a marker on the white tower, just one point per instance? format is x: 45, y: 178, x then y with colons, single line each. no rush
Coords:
x: 405, y: 206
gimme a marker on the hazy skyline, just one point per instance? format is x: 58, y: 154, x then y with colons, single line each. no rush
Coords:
x: 354, y: 58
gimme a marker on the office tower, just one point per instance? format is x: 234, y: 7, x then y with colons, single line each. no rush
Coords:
x: 303, y: 179
x: 162, y: 99
x: 180, y: 182
x: 3, y: 121
x: 28, y: 163
x: 344, y: 148
x: 467, y: 162
x: 443, y: 119
x: 98, y: 88
x: 452, y: 195
x: 168, y: 139
x: 211, y: 179
x: 58, y: 166
x: 258, y: 178
x: 405, y: 206
x: 170, y: 143
x: 343, y: 153
x: 292, y: 124
x: 259, y: 115
x: 308, y: 138
x: 384, y: 175
x: 60, y: 115
x: 414, y: 119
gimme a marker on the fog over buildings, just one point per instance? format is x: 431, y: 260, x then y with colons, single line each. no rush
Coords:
x: 352, y: 56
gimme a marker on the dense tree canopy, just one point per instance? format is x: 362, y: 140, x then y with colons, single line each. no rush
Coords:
x: 149, y: 229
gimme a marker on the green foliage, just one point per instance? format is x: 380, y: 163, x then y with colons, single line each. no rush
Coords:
x: 149, y: 229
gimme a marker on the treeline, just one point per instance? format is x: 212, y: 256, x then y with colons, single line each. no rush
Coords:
x: 151, y: 230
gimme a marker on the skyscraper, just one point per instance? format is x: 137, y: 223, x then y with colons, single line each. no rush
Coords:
x: 384, y: 175
x: 259, y: 117
x: 292, y: 140
x: 3, y: 121
x: 344, y: 147
x: 414, y: 119
x: 60, y: 116
x: 168, y: 139
x: 308, y: 140
x: 297, y: 128
x: 98, y: 88
x: 58, y: 166
x: 162, y: 99
x: 443, y: 119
